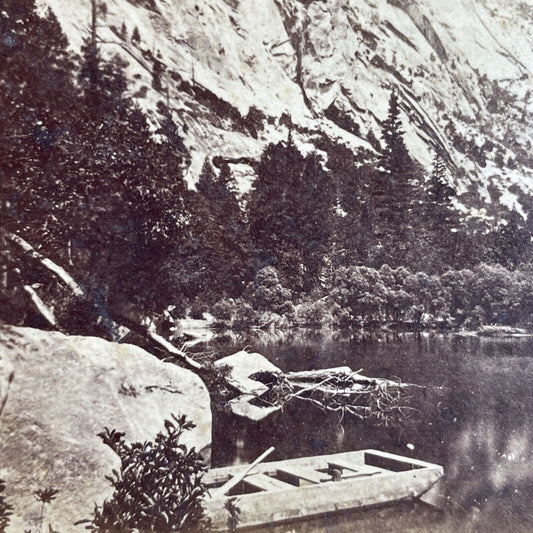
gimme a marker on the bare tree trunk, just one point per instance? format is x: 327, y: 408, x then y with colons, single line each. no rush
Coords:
x: 43, y: 309
x: 60, y: 272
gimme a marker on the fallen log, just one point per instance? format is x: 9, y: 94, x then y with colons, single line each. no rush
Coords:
x: 173, y: 350
x: 60, y: 272
x: 265, y: 389
x: 321, y: 373
x: 148, y: 333
x: 45, y: 312
x: 76, y: 289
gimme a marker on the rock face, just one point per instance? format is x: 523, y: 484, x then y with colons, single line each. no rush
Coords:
x: 462, y: 70
x: 63, y: 392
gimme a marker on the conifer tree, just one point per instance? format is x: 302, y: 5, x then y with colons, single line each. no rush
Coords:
x: 35, y: 115
x: 103, y: 83
x: 216, y: 251
x: 439, y: 192
x: 290, y: 214
x: 171, y: 131
x: 511, y: 242
x: 158, y: 68
x: 438, y: 219
x: 354, y: 233
x: 135, y: 36
x: 394, y: 193
x: 394, y: 190
x: 81, y: 174
x: 90, y: 72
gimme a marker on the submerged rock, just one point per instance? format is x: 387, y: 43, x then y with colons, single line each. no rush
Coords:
x: 63, y: 392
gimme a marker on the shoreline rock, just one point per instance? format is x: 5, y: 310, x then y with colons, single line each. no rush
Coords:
x: 65, y: 390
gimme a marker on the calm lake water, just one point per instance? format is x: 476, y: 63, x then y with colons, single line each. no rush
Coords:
x: 476, y: 421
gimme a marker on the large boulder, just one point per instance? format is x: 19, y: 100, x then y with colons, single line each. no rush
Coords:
x: 63, y: 391
x: 238, y: 370
x: 239, y: 367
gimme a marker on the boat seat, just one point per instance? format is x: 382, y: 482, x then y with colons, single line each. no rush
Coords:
x: 264, y: 482
x: 301, y: 475
x: 351, y: 470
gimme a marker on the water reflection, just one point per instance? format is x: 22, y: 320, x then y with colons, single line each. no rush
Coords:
x: 476, y: 421
x: 397, y: 519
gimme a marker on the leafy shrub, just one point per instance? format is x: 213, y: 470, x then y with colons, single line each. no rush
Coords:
x: 158, y: 488
x: 267, y: 293
x: 234, y: 314
x: 224, y: 310
x: 314, y: 313
x: 339, y: 318
x: 475, y: 319
x: 268, y: 320
x: 245, y: 317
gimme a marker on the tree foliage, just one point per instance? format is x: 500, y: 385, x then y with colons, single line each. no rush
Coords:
x: 394, y: 190
x: 85, y: 179
x: 214, y: 256
x: 290, y: 214
x: 82, y: 174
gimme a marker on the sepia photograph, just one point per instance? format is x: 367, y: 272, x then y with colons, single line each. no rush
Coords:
x: 266, y: 266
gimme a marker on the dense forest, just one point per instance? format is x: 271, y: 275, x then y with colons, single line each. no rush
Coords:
x: 343, y: 241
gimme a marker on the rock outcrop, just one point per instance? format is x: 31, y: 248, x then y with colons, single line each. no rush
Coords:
x: 63, y: 391
x: 462, y: 70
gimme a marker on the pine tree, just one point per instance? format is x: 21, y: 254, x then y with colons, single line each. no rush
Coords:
x: 394, y: 190
x: 170, y: 130
x: 511, y: 242
x: 90, y: 72
x: 35, y: 115
x: 217, y: 232
x: 439, y: 192
x: 81, y: 174
x: 354, y: 232
x: 135, y: 36
x: 437, y: 212
x: 158, y: 68
x: 103, y: 83
x: 437, y: 217
x: 394, y: 194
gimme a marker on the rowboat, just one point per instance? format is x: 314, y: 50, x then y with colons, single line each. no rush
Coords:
x: 296, y: 489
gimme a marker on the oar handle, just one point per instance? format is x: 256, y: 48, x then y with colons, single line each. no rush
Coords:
x: 224, y: 489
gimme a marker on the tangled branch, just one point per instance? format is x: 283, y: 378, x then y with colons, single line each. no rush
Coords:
x: 337, y: 390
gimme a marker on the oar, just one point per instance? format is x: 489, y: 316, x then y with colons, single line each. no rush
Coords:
x: 224, y: 489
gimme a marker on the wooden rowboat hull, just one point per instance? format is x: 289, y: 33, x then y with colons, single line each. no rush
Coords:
x: 300, y: 488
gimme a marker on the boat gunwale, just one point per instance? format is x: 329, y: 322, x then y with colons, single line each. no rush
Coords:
x: 219, y: 475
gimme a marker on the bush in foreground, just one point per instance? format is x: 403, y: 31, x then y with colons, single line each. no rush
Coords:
x: 158, y: 488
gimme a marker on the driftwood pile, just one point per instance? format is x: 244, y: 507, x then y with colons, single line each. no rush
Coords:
x: 263, y: 389
x: 342, y: 390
